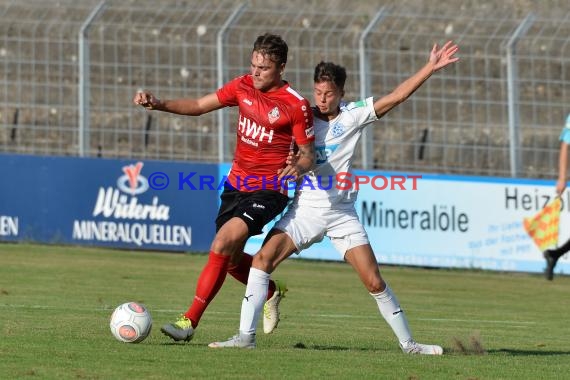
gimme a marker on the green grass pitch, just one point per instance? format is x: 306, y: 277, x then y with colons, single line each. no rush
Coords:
x: 55, y: 304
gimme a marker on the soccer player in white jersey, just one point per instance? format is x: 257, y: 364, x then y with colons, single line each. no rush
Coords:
x: 323, y: 210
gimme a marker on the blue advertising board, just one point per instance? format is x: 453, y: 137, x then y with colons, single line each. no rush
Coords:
x: 115, y: 203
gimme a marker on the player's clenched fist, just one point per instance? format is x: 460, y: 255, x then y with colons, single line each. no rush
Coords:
x: 147, y: 100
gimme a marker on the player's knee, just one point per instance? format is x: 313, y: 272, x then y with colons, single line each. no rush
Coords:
x: 218, y: 245
x: 264, y: 263
x: 375, y: 284
x: 224, y: 244
x: 230, y: 238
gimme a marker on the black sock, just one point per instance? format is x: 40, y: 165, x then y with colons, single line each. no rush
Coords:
x: 560, y: 251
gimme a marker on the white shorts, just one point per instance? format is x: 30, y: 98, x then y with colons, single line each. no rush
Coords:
x: 309, y: 225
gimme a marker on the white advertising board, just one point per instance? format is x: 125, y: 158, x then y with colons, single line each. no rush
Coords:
x: 449, y: 221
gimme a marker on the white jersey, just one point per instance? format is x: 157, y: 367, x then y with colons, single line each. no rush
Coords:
x: 335, y: 144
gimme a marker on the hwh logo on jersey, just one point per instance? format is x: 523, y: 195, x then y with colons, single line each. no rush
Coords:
x: 322, y: 153
x: 250, y: 129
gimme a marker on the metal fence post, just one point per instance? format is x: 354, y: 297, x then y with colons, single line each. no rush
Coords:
x: 513, y: 95
x: 84, y: 87
x: 220, y: 69
x: 367, y: 139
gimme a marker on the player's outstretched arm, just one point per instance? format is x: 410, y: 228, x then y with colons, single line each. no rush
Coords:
x: 562, y: 168
x: 438, y: 59
x: 186, y: 106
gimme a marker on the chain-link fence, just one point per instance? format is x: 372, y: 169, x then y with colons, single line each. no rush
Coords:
x: 69, y: 71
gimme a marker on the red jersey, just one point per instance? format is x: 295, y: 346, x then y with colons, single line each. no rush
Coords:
x: 269, y: 123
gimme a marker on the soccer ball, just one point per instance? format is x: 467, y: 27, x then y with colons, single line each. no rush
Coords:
x: 131, y: 322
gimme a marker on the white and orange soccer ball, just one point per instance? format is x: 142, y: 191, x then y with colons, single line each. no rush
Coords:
x: 131, y: 322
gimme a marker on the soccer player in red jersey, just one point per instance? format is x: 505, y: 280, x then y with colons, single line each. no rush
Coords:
x: 272, y: 117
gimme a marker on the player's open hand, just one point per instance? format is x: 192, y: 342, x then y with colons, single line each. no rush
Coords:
x: 147, y: 100
x: 290, y: 172
x: 292, y: 158
x: 444, y: 56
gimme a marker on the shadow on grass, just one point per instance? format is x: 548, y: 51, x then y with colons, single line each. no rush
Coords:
x: 515, y: 352
x: 302, y: 346
x: 447, y: 351
x: 181, y: 344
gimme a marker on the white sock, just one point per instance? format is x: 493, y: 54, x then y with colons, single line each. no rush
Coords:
x: 393, y: 314
x: 252, y: 304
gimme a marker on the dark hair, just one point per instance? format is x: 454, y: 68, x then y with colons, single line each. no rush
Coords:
x: 329, y: 72
x: 272, y: 46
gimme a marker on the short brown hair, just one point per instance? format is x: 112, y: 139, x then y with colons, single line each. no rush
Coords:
x: 272, y: 46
